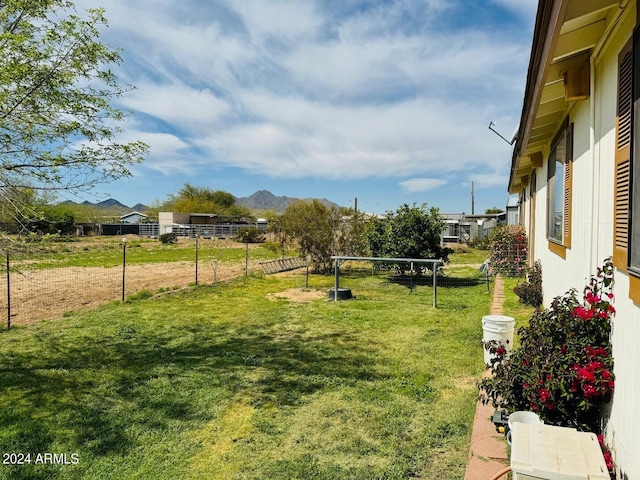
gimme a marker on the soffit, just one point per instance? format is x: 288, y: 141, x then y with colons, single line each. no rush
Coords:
x: 571, y: 39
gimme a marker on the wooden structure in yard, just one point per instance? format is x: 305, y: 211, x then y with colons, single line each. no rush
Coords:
x: 283, y: 265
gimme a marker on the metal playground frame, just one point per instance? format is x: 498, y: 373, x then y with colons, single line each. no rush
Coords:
x: 411, y: 261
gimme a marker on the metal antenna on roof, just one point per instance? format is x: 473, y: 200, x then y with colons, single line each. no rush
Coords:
x: 492, y: 124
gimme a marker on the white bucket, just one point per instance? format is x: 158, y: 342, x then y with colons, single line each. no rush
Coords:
x: 529, y: 418
x: 497, y: 327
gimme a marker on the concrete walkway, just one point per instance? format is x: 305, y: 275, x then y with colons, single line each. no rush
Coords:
x: 488, y: 451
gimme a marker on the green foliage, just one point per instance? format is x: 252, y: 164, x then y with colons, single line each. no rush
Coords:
x: 168, y: 238
x: 54, y: 219
x: 409, y: 232
x: 58, y: 124
x: 508, y: 250
x: 563, y: 368
x: 493, y: 210
x: 480, y: 243
x: 249, y: 235
x: 530, y: 292
x: 141, y: 295
x: 350, y: 235
x: 312, y: 225
x: 193, y: 199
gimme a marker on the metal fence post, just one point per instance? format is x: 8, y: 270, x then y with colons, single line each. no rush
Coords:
x: 337, y: 279
x: 197, y: 237
x: 246, y: 255
x: 124, y: 264
x: 8, y: 295
x: 435, y: 282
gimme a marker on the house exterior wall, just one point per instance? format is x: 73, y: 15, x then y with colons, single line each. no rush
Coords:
x: 592, y: 237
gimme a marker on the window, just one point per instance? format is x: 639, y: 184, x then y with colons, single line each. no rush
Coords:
x: 559, y: 189
x: 634, y: 217
x: 622, y: 158
x: 626, y: 242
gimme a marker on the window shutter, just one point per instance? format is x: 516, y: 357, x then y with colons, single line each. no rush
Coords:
x: 568, y: 165
x: 622, y: 158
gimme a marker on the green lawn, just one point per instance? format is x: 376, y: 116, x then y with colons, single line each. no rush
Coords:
x: 221, y: 382
x: 108, y: 252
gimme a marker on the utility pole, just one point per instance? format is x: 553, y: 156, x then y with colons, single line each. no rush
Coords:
x: 472, y: 201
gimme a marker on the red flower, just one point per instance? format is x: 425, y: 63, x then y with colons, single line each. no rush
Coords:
x: 544, y: 394
x: 583, y: 313
x: 609, y: 461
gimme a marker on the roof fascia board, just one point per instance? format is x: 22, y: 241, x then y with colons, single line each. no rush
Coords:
x: 549, y: 20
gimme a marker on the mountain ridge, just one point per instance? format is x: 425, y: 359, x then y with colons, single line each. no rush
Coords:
x: 261, y: 200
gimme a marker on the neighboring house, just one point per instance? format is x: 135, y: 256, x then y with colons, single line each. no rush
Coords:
x: 207, y: 225
x: 513, y: 211
x: 133, y: 217
x: 462, y: 228
x: 576, y: 169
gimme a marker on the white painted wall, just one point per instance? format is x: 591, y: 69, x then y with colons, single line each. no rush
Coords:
x: 592, y: 240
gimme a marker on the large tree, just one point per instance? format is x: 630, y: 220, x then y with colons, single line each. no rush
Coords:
x: 409, y: 232
x: 59, y: 126
x: 194, y: 199
x: 321, y: 231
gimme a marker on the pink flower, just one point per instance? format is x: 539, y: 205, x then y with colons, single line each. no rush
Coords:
x: 583, y: 313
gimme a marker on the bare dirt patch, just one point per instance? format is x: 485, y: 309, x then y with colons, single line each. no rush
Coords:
x: 298, y: 295
x: 44, y: 294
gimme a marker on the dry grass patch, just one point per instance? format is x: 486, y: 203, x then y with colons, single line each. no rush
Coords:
x: 298, y: 295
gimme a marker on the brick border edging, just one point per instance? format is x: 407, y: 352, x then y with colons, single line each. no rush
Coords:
x: 488, y: 449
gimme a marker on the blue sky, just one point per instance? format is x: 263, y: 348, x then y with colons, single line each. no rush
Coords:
x: 386, y: 101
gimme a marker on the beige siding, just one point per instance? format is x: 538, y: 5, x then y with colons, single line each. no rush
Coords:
x: 592, y: 240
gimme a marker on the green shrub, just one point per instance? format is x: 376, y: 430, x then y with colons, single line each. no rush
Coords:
x: 249, y: 235
x: 563, y: 368
x: 141, y: 295
x: 168, y: 238
x: 530, y: 292
x: 480, y: 244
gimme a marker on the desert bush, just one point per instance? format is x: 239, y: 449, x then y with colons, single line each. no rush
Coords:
x: 168, y: 238
x: 249, y: 235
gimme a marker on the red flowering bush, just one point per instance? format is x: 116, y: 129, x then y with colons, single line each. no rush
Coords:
x: 563, y: 368
x: 508, y: 250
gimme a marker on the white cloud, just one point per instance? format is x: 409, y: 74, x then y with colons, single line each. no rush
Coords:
x: 183, y: 106
x: 169, y: 154
x: 421, y: 184
x: 279, y: 19
x: 399, y: 89
x: 296, y: 138
x: 488, y: 180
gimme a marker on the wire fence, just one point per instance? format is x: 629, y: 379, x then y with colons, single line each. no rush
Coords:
x: 417, y: 275
x: 508, y: 261
x: 46, y: 280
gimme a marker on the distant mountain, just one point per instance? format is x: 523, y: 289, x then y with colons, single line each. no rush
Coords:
x: 261, y: 200
x: 110, y: 204
x: 139, y: 207
x: 265, y: 200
